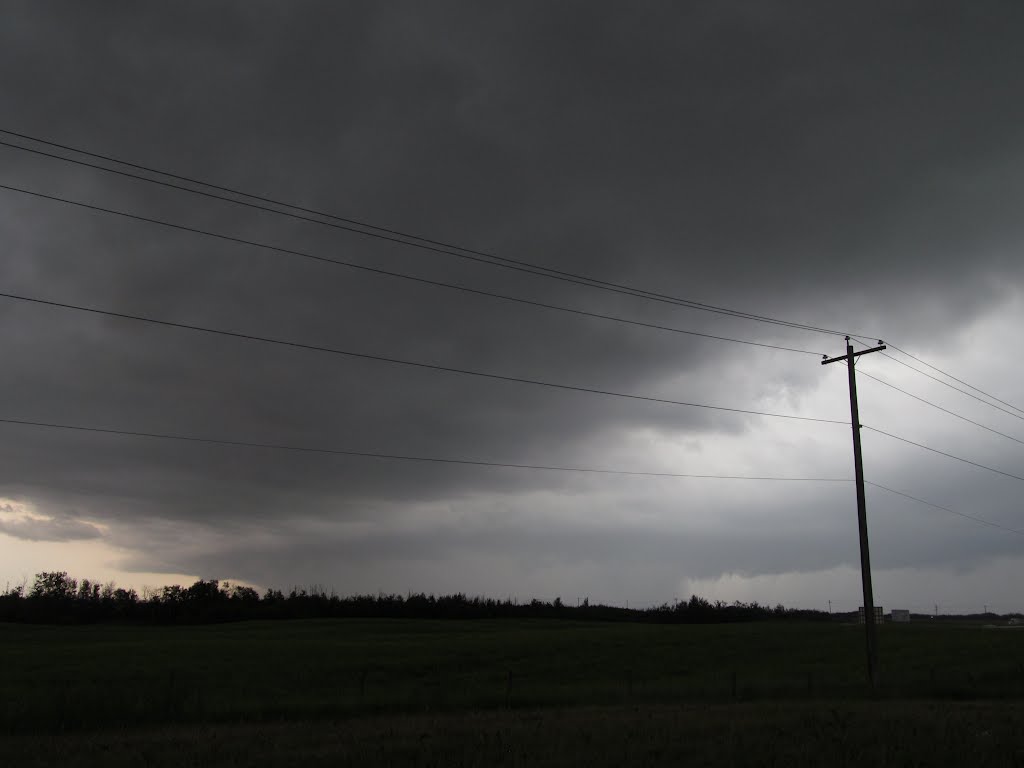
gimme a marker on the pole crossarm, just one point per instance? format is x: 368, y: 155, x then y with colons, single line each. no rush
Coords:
x: 828, y: 360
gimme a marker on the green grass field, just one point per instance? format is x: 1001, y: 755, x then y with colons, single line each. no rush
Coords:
x: 501, y: 692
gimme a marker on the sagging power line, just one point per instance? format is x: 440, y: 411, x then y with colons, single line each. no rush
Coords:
x: 399, y: 275
x: 410, y: 363
x: 349, y: 353
x: 954, y: 378
x: 919, y: 500
x: 540, y: 270
x: 393, y: 234
x: 403, y: 457
x: 479, y: 463
x: 939, y: 407
x: 356, y: 226
x: 950, y: 386
x: 944, y: 453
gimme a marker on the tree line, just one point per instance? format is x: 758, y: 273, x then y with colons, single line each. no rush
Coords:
x: 55, y: 597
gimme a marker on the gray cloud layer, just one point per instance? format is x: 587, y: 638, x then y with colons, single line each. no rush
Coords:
x: 35, y: 528
x: 854, y: 167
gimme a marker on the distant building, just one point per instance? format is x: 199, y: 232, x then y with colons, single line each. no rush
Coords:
x: 878, y: 614
x: 900, y: 616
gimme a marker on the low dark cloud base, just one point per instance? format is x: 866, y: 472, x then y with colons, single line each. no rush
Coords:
x: 853, y: 169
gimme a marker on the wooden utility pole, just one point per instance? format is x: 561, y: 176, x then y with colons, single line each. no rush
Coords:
x: 870, y: 632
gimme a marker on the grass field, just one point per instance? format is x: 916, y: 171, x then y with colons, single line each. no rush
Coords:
x: 501, y: 692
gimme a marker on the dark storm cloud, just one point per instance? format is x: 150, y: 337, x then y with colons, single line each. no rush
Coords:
x: 35, y: 528
x: 856, y: 167
x: 812, y: 531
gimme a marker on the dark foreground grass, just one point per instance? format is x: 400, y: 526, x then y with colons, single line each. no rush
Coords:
x: 821, y: 733
x: 482, y: 692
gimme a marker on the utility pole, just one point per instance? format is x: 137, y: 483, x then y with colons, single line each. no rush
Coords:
x: 870, y: 631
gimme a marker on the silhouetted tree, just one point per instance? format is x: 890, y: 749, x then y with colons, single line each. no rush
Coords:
x: 53, y: 585
x: 56, y: 597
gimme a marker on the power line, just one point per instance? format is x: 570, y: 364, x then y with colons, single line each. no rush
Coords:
x: 472, y: 462
x: 943, y: 453
x: 950, y: 386
x: 954, y: 378
x: 403, y: 457
x: 399, y: 361
x: 591, y: 282
x: 947, y: 384
x: 401, y: 275
x: 637, y: 293
x: 404, y: 238
x: 946, y: 509
x: 939, y: 407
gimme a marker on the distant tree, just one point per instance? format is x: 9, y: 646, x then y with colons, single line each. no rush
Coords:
x: 56, y: 597
x: 125, y: 596
x: 172, y: 594
x: 15, y: 592
x: 88, y: 591
x: 244, y: 594
x: 204, y: 592
x: 54, y: 585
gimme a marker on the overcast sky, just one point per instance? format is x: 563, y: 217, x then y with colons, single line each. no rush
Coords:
x: 851, y: 166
